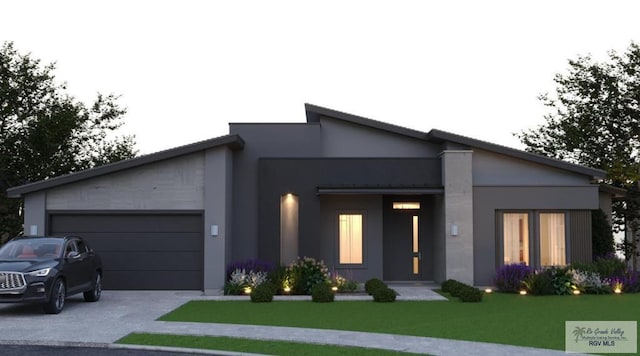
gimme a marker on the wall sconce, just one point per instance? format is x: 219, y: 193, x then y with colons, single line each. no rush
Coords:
x: 214, y: 230
x: 454, y: 230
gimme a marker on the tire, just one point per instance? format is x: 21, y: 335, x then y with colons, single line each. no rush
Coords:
x: 94, y: 294
x: 57, y: 299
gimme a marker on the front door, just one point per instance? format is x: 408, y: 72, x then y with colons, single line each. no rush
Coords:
x: 404, y: 247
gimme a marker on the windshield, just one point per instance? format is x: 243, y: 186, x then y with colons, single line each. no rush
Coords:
x: 31, y: 249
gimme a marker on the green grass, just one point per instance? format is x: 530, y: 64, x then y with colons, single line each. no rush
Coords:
x: 500, y: 318
x: 248, y: 345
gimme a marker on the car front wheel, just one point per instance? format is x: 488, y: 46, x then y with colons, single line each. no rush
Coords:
x: 57, y: 298
x: 94, y: 294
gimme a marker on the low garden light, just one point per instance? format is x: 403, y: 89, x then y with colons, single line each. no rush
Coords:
x: 488, y: 291
x: 287, y: 290
x: 576, y: 292
x: 247, y: 290
x: 617, y: 291
x: 334, y: 289
x: 523, y: 292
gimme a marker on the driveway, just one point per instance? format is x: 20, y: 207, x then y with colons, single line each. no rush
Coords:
x: 117, y: 314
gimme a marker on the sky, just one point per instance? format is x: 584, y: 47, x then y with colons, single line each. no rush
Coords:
x: 185, y: 69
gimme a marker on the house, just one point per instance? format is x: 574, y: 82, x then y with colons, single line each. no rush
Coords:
x: 369, y: 198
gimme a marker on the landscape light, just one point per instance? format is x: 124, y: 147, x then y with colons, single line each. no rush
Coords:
x: 523, y: 292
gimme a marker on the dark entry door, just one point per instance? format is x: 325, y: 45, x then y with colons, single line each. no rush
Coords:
x: 404, y: 240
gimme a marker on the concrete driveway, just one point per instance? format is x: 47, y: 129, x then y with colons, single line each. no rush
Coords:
x: 117, y: 314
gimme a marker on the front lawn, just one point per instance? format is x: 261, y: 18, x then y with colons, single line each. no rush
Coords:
x: 500, y: 318
x: 248, y: 345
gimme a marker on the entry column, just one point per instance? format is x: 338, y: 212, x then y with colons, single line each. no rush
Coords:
x: 458, y: 214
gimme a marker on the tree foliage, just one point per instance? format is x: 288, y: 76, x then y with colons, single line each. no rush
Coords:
x: 45, y: 132
x: 594, y: 120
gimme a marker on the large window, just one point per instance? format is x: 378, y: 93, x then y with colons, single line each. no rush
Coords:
x: 350, y: 238
x: 552, y: 239
x: 516, y: 238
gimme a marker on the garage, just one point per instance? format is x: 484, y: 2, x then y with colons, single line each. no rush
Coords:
x: 151, y: 251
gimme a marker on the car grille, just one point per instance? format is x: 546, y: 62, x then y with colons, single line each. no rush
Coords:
x: 11, y: 281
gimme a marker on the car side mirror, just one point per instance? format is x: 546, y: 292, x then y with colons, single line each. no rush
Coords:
x: 73, y: 255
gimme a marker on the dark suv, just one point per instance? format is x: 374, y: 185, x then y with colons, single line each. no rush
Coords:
x: 47, y: 270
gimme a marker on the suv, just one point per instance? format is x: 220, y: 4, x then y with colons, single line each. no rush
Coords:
x: 48, y: 269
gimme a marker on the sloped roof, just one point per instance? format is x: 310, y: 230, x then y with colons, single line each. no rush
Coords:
x: 234, y: 142
x: 437, y: 136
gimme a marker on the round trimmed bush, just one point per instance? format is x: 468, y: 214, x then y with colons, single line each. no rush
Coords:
x: 263, y: 293
x: 373, y: 284
x: 470, y: 295
x: 322, y: 293
x: 384, y: 295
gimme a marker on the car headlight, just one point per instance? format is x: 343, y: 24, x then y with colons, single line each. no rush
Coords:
x: 40, y: 273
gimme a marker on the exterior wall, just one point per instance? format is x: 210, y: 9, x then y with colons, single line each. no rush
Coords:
x: 580, y: 248
x: 458, y: 211
x: 302, y: 177
x: 488, y: 200
x: 606, y: 205
x: 439, y: 240
x: 343, y: 139
x: 371, y: 207
x: 35, y: 217
x: 499, y: 170
x: 217, y: 198
x: 172, y: 185
x: 262, y: 140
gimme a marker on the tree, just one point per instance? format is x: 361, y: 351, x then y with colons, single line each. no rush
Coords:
x: 45, y: 132
x: 595, y: 121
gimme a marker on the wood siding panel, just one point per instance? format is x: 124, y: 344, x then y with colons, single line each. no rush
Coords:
x: 580, y: 236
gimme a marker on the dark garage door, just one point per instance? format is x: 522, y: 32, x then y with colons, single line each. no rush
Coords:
x: 141, y: 251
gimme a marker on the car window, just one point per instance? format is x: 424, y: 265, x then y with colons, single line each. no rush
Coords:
x: 71, y: 246
x: 31, y: 249
x: 82, y: 247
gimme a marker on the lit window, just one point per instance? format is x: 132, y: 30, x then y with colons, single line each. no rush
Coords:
x: 516, y: 238
x: 406, y: 205
x: 350, y: 235
x: 552, y: 239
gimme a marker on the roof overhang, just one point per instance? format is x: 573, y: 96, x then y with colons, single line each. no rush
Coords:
x: 378, y: 191
x: 233, y: 142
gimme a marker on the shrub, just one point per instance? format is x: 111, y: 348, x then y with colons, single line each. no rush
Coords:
x: 561, y: 279
x: 465, y: 292
x: 322, y: 293
x: 263, y: 293
x: 509, y: 278
x: 610, y: 266
x: 602, y: 241
x: 384, y: 295
x: 539, y: 283
x: 254, y: 265
x: 373, y: 284
x: 470, y: 295
x: 278, y: 277
x: 447, y: 285
x: 588, y: 282
x: 306, y: 272
x: 343, y: 284
x: 233, y: 289
x: 349, y: 287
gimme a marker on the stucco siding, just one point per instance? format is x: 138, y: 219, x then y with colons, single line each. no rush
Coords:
x: 263, y: 140
x: 173, y: 185
x: 499, y: 170
x: 487, y: 200
x: 342, y: 139
x: 371, y: 207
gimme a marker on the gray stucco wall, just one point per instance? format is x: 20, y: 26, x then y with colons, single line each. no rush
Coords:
x: 262, y: 140
x: 217, y: 209
x: 488, y: 200
x: 343, y: 139
x: 499, y: 170
x: 172, y: 185
x: 371, y: 207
